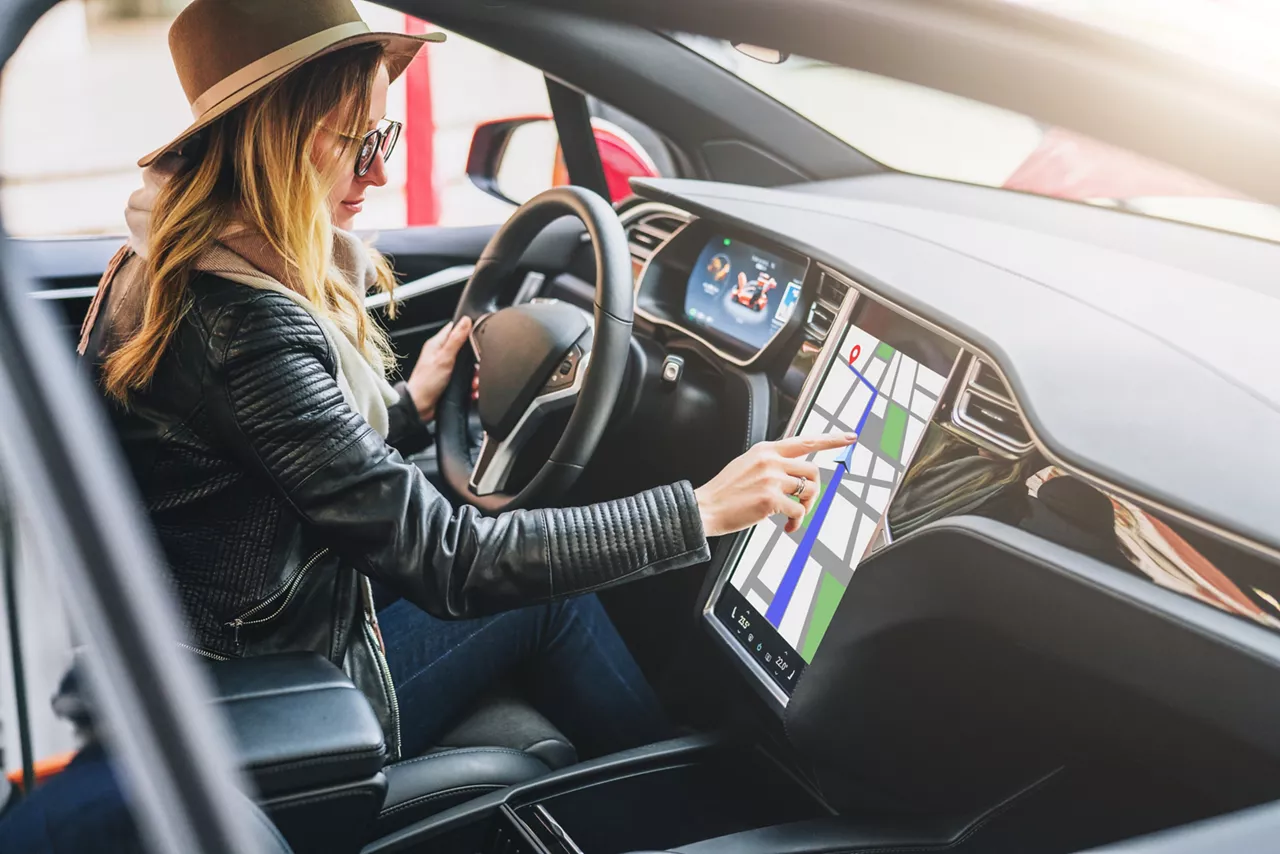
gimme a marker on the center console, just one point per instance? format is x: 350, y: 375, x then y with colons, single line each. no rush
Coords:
x: 655, y: 798
x: 696, y: 795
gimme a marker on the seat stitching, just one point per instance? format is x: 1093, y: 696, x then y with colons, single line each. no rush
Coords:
x: 342, y: 756
x: 463, y: 751
x: 457, y: 790
x: 316, y: 799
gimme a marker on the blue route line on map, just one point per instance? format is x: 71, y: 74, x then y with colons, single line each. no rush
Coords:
x: 791, y: 578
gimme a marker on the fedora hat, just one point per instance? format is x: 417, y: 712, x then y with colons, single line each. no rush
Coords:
x: 226, y: 50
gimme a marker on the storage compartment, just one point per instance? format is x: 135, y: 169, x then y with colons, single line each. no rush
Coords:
x: 669, y: 807
x: 656, y: 798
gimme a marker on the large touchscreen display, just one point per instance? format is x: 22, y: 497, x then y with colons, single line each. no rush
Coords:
x: 742, y: 292
x: 882, y: 381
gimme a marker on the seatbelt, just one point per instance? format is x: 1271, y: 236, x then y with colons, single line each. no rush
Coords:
x: 9, y: 567
x: 577, y: 138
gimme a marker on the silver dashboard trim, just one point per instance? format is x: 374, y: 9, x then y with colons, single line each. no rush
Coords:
x: 433, y: 282
x: 971, y: 429
x: 52, y: 294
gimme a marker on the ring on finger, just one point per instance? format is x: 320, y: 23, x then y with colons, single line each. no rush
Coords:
x: 802, y: 483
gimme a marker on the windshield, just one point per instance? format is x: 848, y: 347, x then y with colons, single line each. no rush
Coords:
x: 1238, y: 35
x: 925, y: 131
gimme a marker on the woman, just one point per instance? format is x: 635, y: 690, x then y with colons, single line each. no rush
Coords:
x: 248, y: 389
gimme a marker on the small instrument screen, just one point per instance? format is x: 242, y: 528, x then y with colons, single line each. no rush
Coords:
x: 742, y: 292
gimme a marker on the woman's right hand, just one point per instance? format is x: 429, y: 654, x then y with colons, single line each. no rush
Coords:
x: 763, y: 482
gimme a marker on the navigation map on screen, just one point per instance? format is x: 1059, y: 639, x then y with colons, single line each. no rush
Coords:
x: 794, y: 581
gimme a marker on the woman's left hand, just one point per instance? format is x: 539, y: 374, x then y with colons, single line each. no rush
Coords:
x: 435, y: 365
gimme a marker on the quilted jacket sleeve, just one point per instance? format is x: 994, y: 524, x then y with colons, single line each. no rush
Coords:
x: 273, y: 399
x: 405, y: 430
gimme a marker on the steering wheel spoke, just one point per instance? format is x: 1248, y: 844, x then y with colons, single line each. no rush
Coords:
x: 497, y: 458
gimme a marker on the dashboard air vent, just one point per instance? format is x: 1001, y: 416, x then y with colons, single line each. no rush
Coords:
x: 832, y: 292
x: 822, y: 314
x: 647, y: 229
x: 986, y: 410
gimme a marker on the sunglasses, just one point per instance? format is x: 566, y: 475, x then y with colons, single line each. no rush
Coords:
x: 382, y: 139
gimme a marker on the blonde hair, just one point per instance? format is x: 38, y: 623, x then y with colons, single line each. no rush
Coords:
x: 254, y: 167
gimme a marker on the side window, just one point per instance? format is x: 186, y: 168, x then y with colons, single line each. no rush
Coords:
x: 103, y: 68
x: 446, y: 93
x: 460, y: 88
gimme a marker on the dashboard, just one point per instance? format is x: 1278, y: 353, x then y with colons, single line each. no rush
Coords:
x: 943, y: 436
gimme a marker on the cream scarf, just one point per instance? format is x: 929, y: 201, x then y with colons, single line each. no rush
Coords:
x: 245, y: 259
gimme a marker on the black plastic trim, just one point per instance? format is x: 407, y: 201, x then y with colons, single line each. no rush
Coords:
x: 1025, y: 600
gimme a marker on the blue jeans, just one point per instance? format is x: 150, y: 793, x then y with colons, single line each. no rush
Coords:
x: 566, y: 658
x: 80, y: 809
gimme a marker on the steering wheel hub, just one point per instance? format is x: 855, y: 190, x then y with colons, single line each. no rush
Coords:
x: 521, y: 351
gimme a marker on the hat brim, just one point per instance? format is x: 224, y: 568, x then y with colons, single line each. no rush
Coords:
x: 400, y: 51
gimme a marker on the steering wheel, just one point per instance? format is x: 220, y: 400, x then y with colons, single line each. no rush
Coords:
x: 536, y: 358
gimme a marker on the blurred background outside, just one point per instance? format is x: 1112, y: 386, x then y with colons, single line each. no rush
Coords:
x: 93, y: 88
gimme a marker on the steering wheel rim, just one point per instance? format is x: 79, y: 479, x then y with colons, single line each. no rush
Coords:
x: 599, y: 365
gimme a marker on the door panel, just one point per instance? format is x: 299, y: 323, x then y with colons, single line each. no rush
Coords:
x: 66, y: 272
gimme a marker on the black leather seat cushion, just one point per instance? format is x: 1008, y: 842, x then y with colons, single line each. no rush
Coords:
x: 504, y: 741
x: 504, y: 719
x: 421, y: 787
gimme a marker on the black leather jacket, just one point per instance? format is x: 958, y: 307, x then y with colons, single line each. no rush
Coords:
x: 274, y: 502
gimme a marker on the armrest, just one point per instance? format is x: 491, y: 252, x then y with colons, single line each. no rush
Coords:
x: 300, y: 723
x: 417, y: 788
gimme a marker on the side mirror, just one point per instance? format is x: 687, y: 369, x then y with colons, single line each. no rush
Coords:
x: 515, y: 159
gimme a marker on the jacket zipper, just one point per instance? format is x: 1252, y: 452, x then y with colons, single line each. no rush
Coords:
x: 388, y: 688
x: 204, y: 652
x: 285, y: 593
x: 384, y: 670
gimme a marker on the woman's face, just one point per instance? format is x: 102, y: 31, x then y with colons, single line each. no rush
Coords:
x: 346, y: 199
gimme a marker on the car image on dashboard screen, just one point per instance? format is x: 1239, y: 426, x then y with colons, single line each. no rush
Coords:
x: 742, y: 292
x: 883, y: 381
